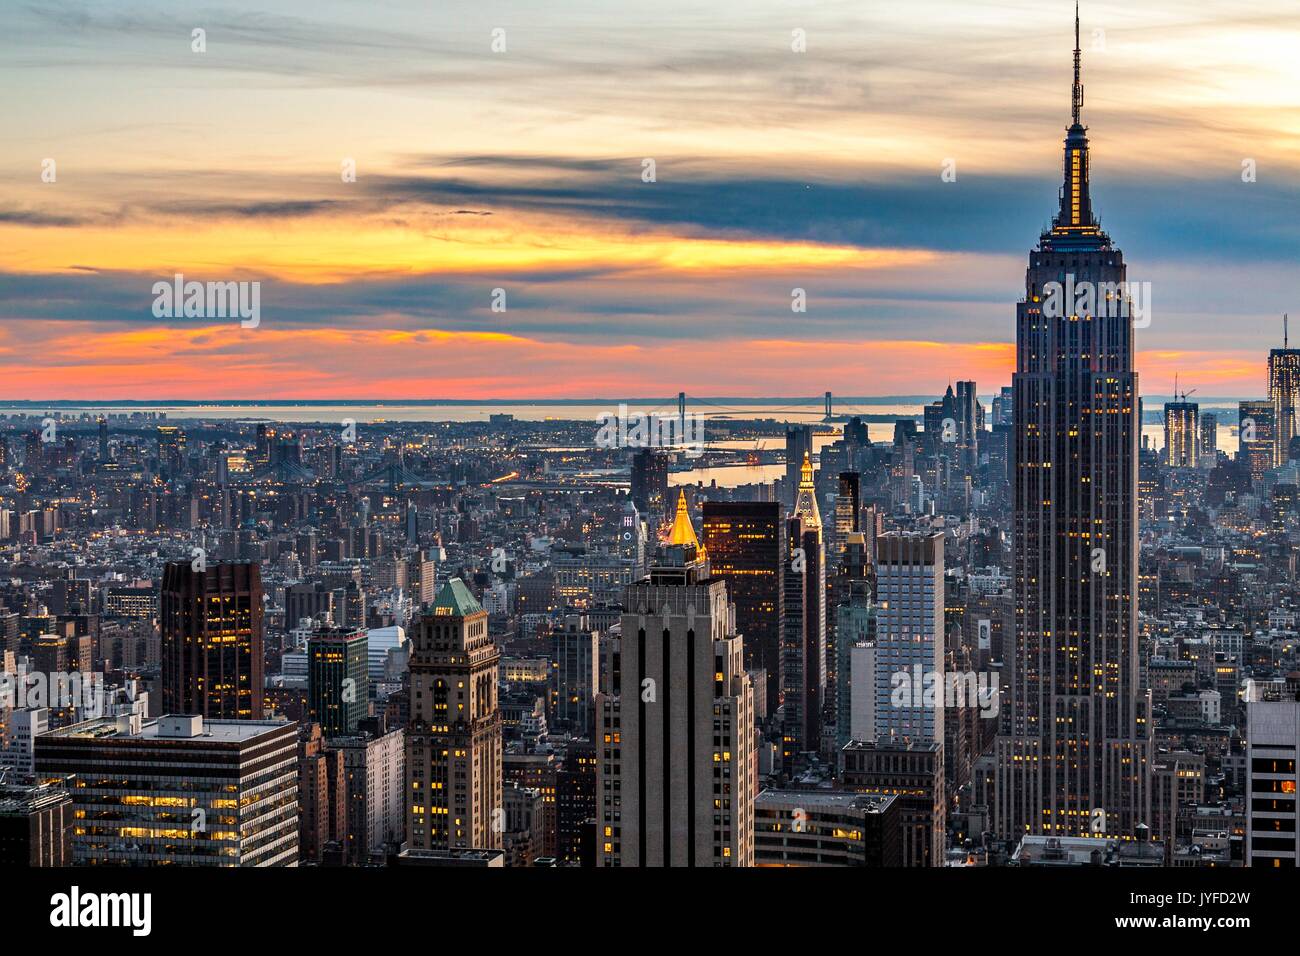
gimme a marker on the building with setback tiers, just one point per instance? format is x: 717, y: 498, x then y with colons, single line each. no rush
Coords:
x: 453, y: 743
x: 1074, y: 759
x: 677, y: 756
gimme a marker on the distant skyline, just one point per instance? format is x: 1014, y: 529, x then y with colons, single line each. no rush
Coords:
x: 522, y: 170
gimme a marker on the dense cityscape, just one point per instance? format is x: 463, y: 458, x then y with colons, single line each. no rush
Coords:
x: 1036, y: 623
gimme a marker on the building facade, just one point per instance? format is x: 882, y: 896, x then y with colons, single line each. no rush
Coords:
x: 212, y: 640
x: 453, y: 743
x: 179, y: 790
x: 677, y: 758
x: 1074, y: 758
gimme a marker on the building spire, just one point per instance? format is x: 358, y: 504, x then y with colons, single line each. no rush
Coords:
x: 683, y: 531
x: 1076, y: 97
x: 1075, y: 223
x: 806, y: 504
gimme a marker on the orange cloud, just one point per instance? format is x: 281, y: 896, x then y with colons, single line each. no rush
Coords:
x: 82, y: 361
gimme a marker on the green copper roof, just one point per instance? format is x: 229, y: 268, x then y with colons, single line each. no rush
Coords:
x: 455, y: 598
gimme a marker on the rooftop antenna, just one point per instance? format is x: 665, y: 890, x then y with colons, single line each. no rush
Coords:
x: 1284, y: 331
x: 1076, y: 99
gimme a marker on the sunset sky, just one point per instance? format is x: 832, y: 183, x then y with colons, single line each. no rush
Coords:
x: 522, y: 170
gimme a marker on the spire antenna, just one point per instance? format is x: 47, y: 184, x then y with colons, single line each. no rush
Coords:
x: 1076, y: 99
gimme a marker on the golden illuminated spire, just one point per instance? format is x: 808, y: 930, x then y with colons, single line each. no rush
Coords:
x: 683, y: 531
x: 806, y: 504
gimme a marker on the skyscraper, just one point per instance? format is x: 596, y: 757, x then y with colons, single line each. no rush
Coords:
x: 650, y: 484
x: 803, y: 657
x: 798, y: 446
x: 1284, y: 393
x: 848, y: 504
x: 745, y: 541
x: 1182, y: 434
x: 909, y: 635
x: 338, y: 679
x: 677, y: 756
x: 453, y: 742
x: 1272, y: 734
x: 1257, y: 431
x: 1209, y: 437
x: 179, y: 790
x: 969, y: 420
x: 1074, y: 756
x: 212, y: 656
x: 575, y: 666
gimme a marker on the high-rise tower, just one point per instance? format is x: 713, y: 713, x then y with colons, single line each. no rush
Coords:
x: 1073, y: 756
x: 1284, y: 393
x: 212, y: 640
x: 677, y: 761
x: 803, y: 657
x: 453, y: 742
x: 746, y: 545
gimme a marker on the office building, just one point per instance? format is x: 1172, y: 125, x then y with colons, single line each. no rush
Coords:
x: 798, y: 446
x: 1209, y: 437
x: 576, y: 806
x: 453, y: 743
x: 1257, y: 436
x: 575, y: 666
x: 35, y: 826
x: 827, y: 828
x: 1284, y: 394
x: 1272, y: 738
x: 803, y: 658
x: 909, y: 636
x: 745, y: 541
x: 649, y: 488
x: 677, y: 756
x: 1078, y: 743
x: 212, y: 640
x: 338, y: 679
x: 374, y: 774
x: 179, y: 790
x: 912, y: 771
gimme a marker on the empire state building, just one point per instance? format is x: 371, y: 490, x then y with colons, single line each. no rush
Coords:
x: 1073, y: 755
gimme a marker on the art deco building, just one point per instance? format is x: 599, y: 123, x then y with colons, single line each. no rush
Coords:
x: 745, y: 541
x: 803, y: 658
x: 677, y: 756
x: 212, y: 656
x: 453, y: 743
x: 1074, y: 756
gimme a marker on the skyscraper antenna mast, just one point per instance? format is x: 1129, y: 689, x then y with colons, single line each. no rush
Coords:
x: 1076, y: 100
x: 1285, y: 320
